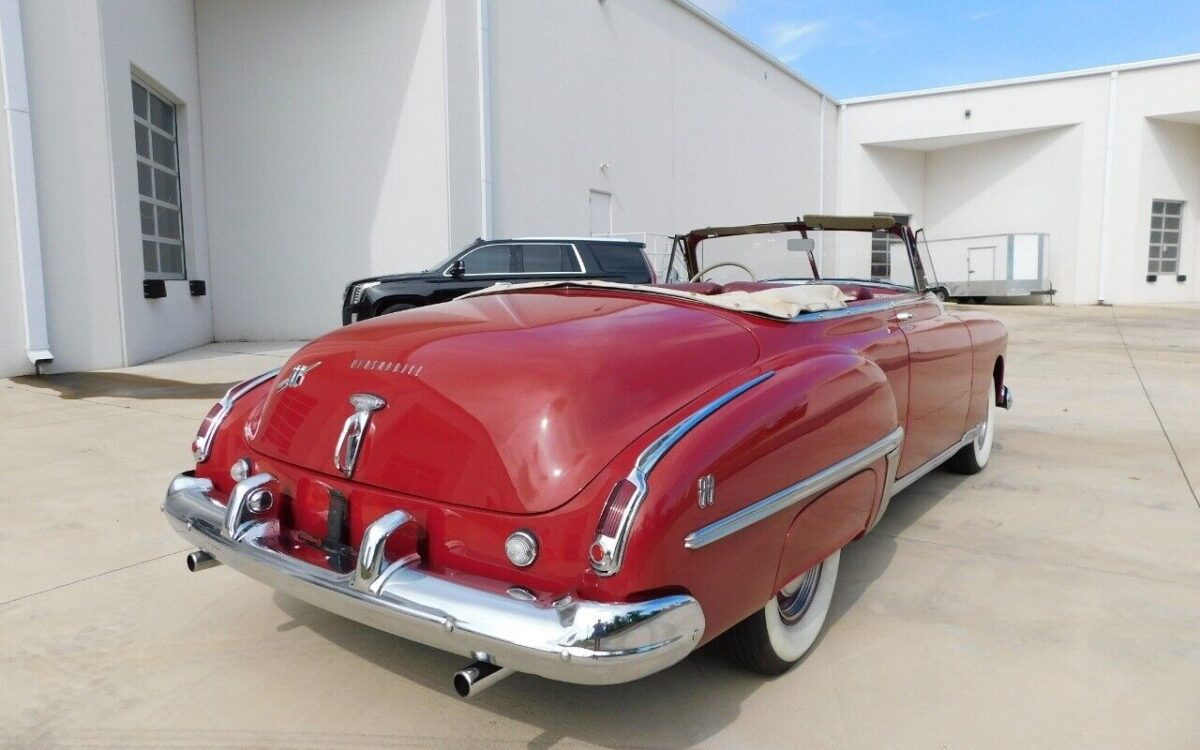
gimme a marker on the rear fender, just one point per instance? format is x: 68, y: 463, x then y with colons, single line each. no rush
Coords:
x: 808, y: 416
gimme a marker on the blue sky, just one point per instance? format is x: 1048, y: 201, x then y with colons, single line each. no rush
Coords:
x: 860, y: 47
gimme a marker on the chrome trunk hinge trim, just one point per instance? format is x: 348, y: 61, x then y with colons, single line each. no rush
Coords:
x: 345, y: 453
x: 797, y: 493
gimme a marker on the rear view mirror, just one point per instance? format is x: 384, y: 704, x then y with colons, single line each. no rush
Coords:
x: 802, y: 245
x: 458, y: 269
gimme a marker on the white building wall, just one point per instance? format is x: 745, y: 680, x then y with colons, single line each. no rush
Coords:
x: 1030, y: 157
x: 325, y: 140
x: 156, y: 41
x: 71, y: 143
x: 80, y: 57
x: 651, y: 103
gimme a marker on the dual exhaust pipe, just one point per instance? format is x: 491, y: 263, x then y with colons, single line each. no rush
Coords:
x: 468, y: 682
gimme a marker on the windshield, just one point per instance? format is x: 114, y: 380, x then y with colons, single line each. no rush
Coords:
x: 862, y: 256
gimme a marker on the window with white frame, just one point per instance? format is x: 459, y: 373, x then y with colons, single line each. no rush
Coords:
x: 881, y: 249
x: 1165, y: 236
x: 157, y: 152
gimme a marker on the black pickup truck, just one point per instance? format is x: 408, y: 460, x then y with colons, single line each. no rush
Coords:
x: 486, y: 262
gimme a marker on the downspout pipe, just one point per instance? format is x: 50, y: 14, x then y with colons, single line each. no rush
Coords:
x: 1110, y: 145
x: 484, y: 43
x: 24, y: 184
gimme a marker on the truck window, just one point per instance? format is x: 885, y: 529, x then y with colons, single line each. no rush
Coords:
x: 548, y: 258
x: 626, y: 260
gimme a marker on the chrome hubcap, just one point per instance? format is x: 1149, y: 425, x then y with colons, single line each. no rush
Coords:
x: 795, y: 598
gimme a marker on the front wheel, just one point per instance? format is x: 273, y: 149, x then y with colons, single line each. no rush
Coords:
x: 774, y: 638
x: 973, y: 456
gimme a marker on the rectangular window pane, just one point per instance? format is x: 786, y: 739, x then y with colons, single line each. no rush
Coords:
x: 170, y: 258
x: 1156, y: 237
x: 1173, y: 207
x: 141, y: 137
x: 1170, y: 238
x: 490, y: 259
x: 144, y: 180
x: 139, y: 100
x: 164, y: 150
x: 168, y: 223
x: 1157, y: 207
x: 1171, y: 222
x: 1156, y: 222
x: 1171, y: 251
x: 1168, y: 266
x: 1155, y: 251
x: 548, y: 259
x: 150, y: 256
x: 162, y: 114
x: 147, y: 219
x: 166, y: 187
x: 160, y: 212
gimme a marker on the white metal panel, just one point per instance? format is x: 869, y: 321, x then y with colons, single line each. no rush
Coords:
x: 1025, y: 261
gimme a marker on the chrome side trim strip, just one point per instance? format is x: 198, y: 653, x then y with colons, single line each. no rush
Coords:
x: 226, y: 403
x: 614, y: 546
x: 889, y: 484
x: 905, y: 481
x: 795, y: 494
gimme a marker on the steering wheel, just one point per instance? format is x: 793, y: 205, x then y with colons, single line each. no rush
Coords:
x: 714, y: 266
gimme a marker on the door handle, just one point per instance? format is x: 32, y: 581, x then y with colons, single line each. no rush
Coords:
x: 901, y: 317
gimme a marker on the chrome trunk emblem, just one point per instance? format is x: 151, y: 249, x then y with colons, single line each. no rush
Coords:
x: 345, y: 453
x: 705, y: 490
x: 295, y: 377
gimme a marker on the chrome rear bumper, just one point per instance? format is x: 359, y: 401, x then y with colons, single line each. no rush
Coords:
x: 583, y: 642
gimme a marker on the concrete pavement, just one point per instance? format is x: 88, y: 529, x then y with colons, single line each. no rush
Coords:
x: 1051, y: 601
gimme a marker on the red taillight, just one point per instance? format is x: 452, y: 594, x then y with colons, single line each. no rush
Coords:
x: 614, y: 510
x: 606, y: 552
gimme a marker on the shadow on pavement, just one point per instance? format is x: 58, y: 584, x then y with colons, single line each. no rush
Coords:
x: 679, y: 707
x: 77, y: 385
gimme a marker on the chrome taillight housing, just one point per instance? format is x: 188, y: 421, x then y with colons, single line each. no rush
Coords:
x: 608, y: 550
x: 202, y: 443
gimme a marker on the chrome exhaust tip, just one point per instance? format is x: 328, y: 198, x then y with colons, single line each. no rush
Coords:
x: 1006, y: 398
x: 477, y: 677
x: 201, y: 560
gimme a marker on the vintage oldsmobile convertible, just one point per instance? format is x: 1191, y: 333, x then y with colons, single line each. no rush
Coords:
x: 587, y: 481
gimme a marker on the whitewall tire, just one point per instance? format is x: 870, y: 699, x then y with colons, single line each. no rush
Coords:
x: 774, y: 638
x: 973, y: 456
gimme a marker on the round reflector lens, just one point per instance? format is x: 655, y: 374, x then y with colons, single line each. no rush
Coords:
x: 521, y: 549
x: 260, y: 501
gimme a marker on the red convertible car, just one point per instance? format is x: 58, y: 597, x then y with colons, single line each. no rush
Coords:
x: 586, y: 480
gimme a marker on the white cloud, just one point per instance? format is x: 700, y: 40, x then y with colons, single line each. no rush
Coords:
x: 980, y: 15
x: 791, y: 40
x: 789, y: 32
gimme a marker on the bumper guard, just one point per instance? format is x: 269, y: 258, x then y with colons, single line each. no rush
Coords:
x: 583, y: 642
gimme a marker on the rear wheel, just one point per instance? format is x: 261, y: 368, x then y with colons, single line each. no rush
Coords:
x: 774, y: 638
x: 973, y: 456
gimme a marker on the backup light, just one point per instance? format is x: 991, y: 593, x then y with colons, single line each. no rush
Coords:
x: 240, y: 469
x: 521, y: 548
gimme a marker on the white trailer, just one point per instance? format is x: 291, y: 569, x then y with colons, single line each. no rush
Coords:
x: 993, y: 265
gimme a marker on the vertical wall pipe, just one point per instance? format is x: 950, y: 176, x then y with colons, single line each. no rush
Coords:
x: 485, y: 120
x: 1110, y: 145
x: 24, y: 183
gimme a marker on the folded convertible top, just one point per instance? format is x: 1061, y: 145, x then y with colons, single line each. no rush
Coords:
x: 784, y: 303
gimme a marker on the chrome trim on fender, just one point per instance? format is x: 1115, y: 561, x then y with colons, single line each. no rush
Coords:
x: 789, y: 496
x: 614, y: 546
x: 226, y: 403
x: 584, y: 642
x: 903, y: 482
